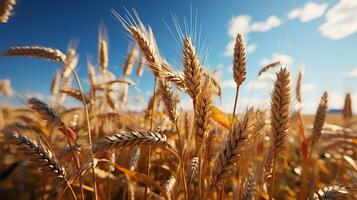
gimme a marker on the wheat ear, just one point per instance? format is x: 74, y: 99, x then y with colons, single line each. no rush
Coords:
x: 280, y: 115
x: 6, y: 7
x: 268, y: 67
x: 192, y: 69
x: 130, y: 138
x: 331, y: 192
x: 129, y: 63
x: 36, y: 150
x: 37, y: 52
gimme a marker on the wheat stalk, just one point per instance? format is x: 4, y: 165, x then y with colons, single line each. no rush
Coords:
x: 55, y: 83
x: 6, y: 7
x: 37, y: 52
x: 131, y: 138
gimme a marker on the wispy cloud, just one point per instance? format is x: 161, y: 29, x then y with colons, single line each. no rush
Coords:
x: 244, y: 25
x: 308, y: 87
x: 256, y: 85
x: 353, y: 73
x: 341, y: 20
x: 269, y: 23
x: 309, y: 12
x: 228, y: 84
x: 284, y: 59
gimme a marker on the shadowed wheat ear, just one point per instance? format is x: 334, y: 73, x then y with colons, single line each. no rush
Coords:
x: 45, y: 111
x: 169, y: 99
x: 235, y: 146
x: 347, y: 107
x: 6, y: 7
x: 203, y: 111
x: 131, y: 138
x: 280, y: 109
x: 279, y: 116
x: 36, y: 150
x: 298, y: 86
x: 193, y: 168
x: 37, y: 52
x: 192, y: 69
x: 332, y: 192
x: 129, y: 63
x: 239, y: 61
x: 249, y: 186
x: 320, y: 118
x: 76, y: 94
x: 268, y: 67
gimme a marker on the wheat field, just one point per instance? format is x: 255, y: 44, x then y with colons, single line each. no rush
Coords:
x: 101, y: 150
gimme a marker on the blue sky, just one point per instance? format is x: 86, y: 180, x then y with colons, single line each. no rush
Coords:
x: 319, y: 35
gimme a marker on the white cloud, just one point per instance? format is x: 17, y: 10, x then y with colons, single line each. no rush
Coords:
x: 284, y: 59
x: 243, y: 25
x: 256, y: 85
x: 341, y: 20
x: 269, y: 23
x: 267, y: 76
x: 239, y: 24
x: 309, y: 12
x: 230, y: 83
x: 353, y: 73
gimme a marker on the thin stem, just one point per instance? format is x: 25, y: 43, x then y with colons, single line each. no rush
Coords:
x: 72, y: 191
x: 149, y: 149
x: 89, y: 135
x: 182, y: 162
x: 272, y: 184
x: 220, y: 193
x: 234, y: 108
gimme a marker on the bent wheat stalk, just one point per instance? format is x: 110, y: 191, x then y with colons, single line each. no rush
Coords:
x: 46, y: 53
